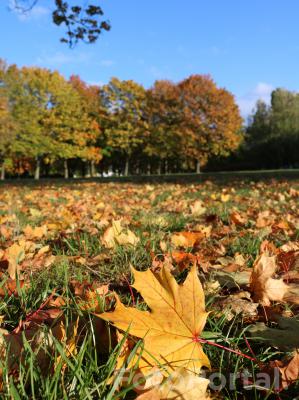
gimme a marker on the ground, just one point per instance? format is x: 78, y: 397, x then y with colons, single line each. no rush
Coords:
x: 62, y: 244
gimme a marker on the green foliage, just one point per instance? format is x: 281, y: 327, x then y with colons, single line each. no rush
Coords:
x: 127, y: 128
x: 273, y: 131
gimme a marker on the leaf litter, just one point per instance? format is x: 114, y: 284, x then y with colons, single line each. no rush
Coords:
x: 171, y: 275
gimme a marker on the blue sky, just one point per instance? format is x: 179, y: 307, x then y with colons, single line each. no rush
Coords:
x: 247, y: 46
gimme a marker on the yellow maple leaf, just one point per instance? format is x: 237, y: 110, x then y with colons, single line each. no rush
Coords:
x: 171, y: 329
x: 35, y: 233
x: 118, y: 235
x: 14, y: 254
x: 181, y: 384
x: 225, y: 197
x: 198, y: 208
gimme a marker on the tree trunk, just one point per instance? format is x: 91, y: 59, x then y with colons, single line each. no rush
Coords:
x: 2, y: 172
x: 159, y: 168
x: 66, y: 169
x: 127, y: 166
x: 166, y: 166
x: 92, y: 169
x: 148, y: 169
x: 198, y: 167
x: 87, y: 169
x: 37, y: 169
x: 47, y: 170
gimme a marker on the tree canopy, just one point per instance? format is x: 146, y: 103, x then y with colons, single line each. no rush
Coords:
x: 82, y: 21
x: 49, y: 123
x: 272, y: 136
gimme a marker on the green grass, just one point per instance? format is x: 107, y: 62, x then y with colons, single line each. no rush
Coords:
x: 87, y: 375
x: 247, y: 245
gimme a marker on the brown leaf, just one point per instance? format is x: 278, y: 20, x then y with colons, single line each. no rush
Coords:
x: 238, y: 219
x: 290, y: 372
x: 186, y: 239
x: 262, y: 285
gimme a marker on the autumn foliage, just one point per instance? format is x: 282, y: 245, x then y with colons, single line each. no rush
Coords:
x: 49, y: 124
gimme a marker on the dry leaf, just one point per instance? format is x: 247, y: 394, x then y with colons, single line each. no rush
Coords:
x: 225, y: 197
x: 171, y: 330
x: 290, y: 372
x: 118, y: 235
x: 180, y: 385
x: 35, y: 233
x: 68, y: 339
x: 14, y: 254
x: 264, y: 288
x: 197, y: 208
x: 238, y: 219
x: 285, y: 337
x: 186, y: 239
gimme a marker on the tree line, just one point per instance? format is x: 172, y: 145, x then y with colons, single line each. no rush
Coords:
x: 53, y: 126
x: 49, y: 124
x: 272, y: 135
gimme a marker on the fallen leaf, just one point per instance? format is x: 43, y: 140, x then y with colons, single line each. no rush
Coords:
x: 14, y: 254
x: 35, y: 233
x: 290, y: 372
x: 262, y: 285
x: 186, y: 239
x: 285, y: 337
x: 68, y: 339
x: 118, y: 235
x: 181, y: 384
x: 225, y: 197
x: 171, y: 329
x: 239, y: 303
x: 238, y: 219
x: 197, y: 208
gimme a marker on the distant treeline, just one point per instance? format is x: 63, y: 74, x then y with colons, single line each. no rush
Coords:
x: 53, y: 126
x: 271, y: 138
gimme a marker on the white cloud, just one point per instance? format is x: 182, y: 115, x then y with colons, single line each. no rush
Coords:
x: 247, y: 102
x: 60, y: 58
x: 263, y: 89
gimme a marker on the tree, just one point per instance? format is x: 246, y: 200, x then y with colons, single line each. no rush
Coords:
x: 83, y: 22
x: 91, y: 105
x: 53, y: 124
x: 7, y: 132
x: 164, y: 118
x: 73, y: 132
x: 125, y: 102
x: 285, y: 112
x: 259, y: 126
x: 211, y: 123
x: 29, y: 96
x: 273, y: 132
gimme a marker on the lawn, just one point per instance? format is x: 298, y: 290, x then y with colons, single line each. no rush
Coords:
x: 67, y: 252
